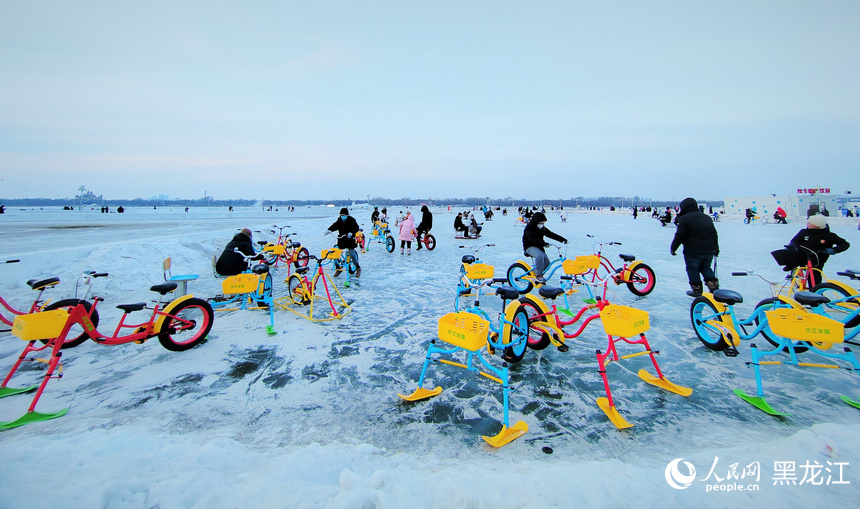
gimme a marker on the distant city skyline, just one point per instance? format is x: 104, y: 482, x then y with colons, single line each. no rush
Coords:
x: 287, y: 100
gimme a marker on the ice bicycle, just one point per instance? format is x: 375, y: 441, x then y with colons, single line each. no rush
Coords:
x: 249, y: 290
x: 76, y: 336
x: 799, y: 326
x: 285, y: 250
x: 381, y: 234
x: 638, y: 276
x: 179, y: 324
x: 546, y: 325
x: 468, y: 333
x: 304, y: 294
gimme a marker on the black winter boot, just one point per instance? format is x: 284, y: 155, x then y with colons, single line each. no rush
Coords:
x: 696, y: 290
x: 713, y: 284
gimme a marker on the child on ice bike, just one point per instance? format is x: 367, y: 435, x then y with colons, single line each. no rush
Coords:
x: 534, y: 243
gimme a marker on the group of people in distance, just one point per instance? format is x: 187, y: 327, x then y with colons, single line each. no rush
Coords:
x: 696, y: 232
x: 469, y: 231
x: 231, y: 263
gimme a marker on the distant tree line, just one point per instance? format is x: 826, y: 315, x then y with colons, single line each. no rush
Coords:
x: 603, y: 201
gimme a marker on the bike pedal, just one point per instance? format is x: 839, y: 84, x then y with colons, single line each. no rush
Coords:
x: 563, y: 348
x: 731, y: 352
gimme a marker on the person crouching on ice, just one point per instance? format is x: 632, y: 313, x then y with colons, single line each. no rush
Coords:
x: 697, y: 233
x: 534, y: 243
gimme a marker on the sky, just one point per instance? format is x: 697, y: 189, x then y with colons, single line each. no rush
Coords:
x: 282, y: 100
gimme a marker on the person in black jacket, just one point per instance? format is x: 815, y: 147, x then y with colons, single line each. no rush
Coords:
x: 230, y: 262
x: 346, y: 227
x: 818, y: 238
x: 697, y: 233
x: 460, y: 227
x: 425, y: 225
x: 534, y: 243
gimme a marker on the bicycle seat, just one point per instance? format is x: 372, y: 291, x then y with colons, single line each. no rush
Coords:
x: 260, y: 269
x: 508, y: 292
x: 128, y: 308
x: 38, y: 284
x: 262, y: 242
x: 626, y: 257
x: 550, y: 292
x: 729, y: 297
x: 810, y: 299
x: 296, y: 244
x: 302, y: 270
x: 468, y: 259
x: 163, y: 288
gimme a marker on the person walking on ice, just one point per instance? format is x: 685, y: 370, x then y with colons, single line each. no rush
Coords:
x: 697, y: 233
x: 406, y: 227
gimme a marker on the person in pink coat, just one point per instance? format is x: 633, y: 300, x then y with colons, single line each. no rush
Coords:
x: 406, y: 227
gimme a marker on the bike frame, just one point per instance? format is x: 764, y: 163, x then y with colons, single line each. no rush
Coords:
x: 308, y: 288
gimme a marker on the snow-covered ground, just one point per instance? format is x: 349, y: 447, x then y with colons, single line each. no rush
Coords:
x: 310, y: 417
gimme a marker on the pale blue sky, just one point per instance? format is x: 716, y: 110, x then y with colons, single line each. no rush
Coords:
x: 337, y: 99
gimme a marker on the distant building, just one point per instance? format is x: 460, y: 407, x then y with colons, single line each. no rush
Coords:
x: 794, y: 205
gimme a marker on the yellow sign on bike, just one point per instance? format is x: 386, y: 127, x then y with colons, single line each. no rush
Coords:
x: 479, y: 271
x: 44, y: 325
x: 624, y: 321
x: 580, y: 265
x: 464, y: 330
x: 801, y: 325
x: 240, y: 283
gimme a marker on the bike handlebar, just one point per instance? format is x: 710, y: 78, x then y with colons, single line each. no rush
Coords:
x: 12, y: 261
x: 613, y: 243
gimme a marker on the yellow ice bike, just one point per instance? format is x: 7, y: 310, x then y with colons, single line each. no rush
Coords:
x: 314, y: 298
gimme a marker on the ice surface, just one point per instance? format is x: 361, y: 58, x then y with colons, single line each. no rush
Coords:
x: 310, y: 417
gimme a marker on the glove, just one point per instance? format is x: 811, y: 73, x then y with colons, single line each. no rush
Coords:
x: 828, y: 251
x: 327, y: 232
x: 674, y: 253
x: 564, y: 241
x: 349, y: 235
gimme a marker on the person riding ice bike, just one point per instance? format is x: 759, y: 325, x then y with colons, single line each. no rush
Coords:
x: 534, y: 243
x: 346, y: 227
x: 424, y: 226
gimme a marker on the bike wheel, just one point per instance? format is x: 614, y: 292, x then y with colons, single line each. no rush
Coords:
x: 297, y: 291
x: 187, y: 325
x: 389, y: 244
x: 641, y: 280
x: 700, y: 310
x: 270, y: 259
x: 839, y: 311
x: 517, y: 337
x: 515, y: 274
x: 538, y: 339
x: 267, y: 288
x: 77, y: 334
x: 429, y: 242
x: 302, y: 257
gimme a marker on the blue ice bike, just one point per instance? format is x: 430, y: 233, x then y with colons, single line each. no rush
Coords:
x: 252, y: 289
x: 470, y: 331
